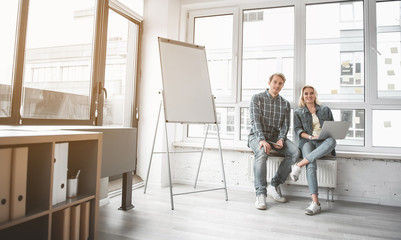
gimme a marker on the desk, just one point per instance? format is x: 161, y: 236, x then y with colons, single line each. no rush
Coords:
x: 118, y: 156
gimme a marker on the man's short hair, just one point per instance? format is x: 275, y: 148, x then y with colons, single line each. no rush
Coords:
x: 277, y: 74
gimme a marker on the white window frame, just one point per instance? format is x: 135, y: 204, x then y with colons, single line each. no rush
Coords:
x: 232, y: 98
x: 372, y: 101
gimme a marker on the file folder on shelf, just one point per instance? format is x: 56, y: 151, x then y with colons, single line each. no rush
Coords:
x: 5, y: 183
x: 60, y: 173
x: 19, y: 169
x: 84, y: 222
x: 61, y: 225
x: 74, y: 224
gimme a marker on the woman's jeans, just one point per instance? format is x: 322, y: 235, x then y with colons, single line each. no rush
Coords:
x: 313, y: 150
x: 291, y: 155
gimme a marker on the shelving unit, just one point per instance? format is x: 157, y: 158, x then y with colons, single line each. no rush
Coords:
x: 41, y: 216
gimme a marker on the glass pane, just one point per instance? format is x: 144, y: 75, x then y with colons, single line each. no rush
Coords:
x: 389, y: 47
x: 120, y: 71
x: 334, y: 36
x: 245, y: 123
x: 225, y: 120
x: 387, y: 128
x: 57, y: 74
x: 216, y: 34
x: 356, y: 132
x: 268, y: 47
x: 8, y: 20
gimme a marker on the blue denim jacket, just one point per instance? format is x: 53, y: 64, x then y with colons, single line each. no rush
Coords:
x: 303, y: 122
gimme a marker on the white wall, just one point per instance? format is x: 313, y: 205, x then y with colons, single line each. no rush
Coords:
x: 160, y: 19
x: 359, y: 179
x: 366, y: 180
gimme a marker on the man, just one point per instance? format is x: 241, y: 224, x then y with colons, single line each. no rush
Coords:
x: 270, y: 121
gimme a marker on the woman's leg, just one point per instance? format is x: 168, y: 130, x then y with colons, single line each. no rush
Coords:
x: 311, y: 176
x: 315, y: 150
x: 296, y: 168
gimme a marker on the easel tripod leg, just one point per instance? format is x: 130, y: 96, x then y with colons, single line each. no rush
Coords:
x: 169, y: 168
x: 222, y: 163
x: 201, y: 156
x: 153, y: 147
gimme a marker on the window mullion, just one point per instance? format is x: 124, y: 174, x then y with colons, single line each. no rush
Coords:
x: 19, y: 62
x: 300, y: 49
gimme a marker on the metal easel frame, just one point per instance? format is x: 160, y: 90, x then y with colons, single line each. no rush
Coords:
x: 200, y: 162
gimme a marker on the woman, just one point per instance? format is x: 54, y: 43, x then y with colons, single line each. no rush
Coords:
x: 308, y: 120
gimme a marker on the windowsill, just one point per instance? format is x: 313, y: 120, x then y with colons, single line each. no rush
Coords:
x: 244, y: 148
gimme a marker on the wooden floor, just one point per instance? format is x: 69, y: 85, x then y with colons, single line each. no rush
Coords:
x: 207, y: 216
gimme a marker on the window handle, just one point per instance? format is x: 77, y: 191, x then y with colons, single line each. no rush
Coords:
x: 101, y: 88
x: 377, y: 51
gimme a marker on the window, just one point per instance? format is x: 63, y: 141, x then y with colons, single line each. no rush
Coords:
x: 389, y: 49
x: 57, y: 80
x: 387, y: 127
x: 225, y: 118
x: 356, y: 132
x: 268, y: 47
x: 334, y: 36
x: 55, y: 73
x: 216, y: 34
x: 120, y: 78
x: 8, y: 21
x: 327, y: 44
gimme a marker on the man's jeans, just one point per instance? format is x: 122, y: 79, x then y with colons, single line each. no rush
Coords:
x: 313, y: 150
x: 291, y: 155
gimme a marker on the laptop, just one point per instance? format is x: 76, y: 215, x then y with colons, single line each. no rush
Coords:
x: 334, y: 129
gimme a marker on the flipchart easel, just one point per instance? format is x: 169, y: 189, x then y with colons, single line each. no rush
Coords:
x: 186, y: 99
x: 168, y: 152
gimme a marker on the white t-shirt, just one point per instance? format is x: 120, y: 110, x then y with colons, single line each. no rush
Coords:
x: 316, y: 129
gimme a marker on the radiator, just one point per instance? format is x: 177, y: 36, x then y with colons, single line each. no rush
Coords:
x: 326, y: 173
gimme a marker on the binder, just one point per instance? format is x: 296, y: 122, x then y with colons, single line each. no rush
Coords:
x: 60, y: 173
x: 74, y: 224
x: 5, y: 183
x: 61, y: 224
x: 19, y: 169
x: 84, y: 222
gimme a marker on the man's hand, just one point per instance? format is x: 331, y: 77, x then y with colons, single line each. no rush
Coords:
x: 279, y: 144
x: 266, y: 146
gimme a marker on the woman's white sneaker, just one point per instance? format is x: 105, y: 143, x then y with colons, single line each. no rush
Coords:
x: 295, y: 171
x: 313, y: 208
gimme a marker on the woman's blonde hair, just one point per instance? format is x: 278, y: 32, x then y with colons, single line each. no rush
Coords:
x: 301, y: 97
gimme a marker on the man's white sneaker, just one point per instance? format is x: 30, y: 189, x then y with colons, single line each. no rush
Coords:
x: 272, y: 192
x: 260, y: 202
x: 295, y: 171
x: 313, y: 209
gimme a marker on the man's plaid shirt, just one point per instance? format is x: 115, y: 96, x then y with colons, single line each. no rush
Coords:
x: 270, y: 118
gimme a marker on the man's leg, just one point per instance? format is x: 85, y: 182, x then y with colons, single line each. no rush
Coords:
x: 291, y: 155
x: 259, y: 166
